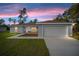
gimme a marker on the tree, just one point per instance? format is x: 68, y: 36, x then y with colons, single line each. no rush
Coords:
x: 20, y: 19
x: 14, y: 21
x: 73, y: 11
x: 10, y: 19
x: 31, y: 21
x: 35, y: 20
x: 24, y: 11
x: 67, y: 16
x: 59, y: 18
x: 22, y: 16
x: 1, y: 21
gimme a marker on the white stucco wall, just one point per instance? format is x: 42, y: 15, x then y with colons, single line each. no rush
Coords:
x: 21, y: 29
x: 12, y: 29
x: 18, y: 29
x: 40, y: 31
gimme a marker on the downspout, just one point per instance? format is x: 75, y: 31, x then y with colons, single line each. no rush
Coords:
x: 43, y: 30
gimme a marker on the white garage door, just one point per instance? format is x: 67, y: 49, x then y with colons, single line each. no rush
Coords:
x: 55, y: 31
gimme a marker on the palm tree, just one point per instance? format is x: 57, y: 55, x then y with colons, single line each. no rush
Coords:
x: 24, y: 19
x: 22, y: 16
x: 31, y: 21
x: 14, y: 21
x: 35, y: 20
x: 24, y: 11
x: 10, y: 19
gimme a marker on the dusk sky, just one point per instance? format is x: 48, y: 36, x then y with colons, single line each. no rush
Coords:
x: 41, y: 11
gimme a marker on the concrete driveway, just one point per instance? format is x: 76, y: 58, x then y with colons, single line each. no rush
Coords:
x: 62, y: 46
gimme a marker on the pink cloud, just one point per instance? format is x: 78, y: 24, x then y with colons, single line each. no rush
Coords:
x: 37, y: 12
x: 50, y: 11
x: 10, y: 10
x: 44, y: 19
x: 8, y: 15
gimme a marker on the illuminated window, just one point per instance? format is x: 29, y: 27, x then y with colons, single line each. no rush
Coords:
x: 16, y: 29
x: 34, y: 29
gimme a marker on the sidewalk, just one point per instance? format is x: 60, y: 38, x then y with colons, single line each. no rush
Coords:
x: 18, y: 37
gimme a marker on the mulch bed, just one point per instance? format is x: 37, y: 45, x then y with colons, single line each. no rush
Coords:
x: 30, y: 35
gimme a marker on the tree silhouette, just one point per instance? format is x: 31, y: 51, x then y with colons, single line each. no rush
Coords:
x: 35, y: 20
x: 22, y: 16
x: 1, y: 21
x: 10, y: 19
x: 14, y: 21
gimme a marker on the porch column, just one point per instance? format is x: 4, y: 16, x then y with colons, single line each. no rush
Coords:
x: 71, y: 30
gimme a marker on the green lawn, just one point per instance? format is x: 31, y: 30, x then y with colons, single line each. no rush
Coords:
x: 21, y: 47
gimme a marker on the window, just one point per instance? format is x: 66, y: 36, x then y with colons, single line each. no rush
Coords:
x: 16, y: 29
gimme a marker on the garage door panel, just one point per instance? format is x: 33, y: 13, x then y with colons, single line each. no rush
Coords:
x: 55, y: 31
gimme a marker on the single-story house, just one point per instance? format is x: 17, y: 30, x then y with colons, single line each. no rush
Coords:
x: 45, y: 29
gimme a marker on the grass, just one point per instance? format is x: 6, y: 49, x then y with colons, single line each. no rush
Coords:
x: 21, y: 47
